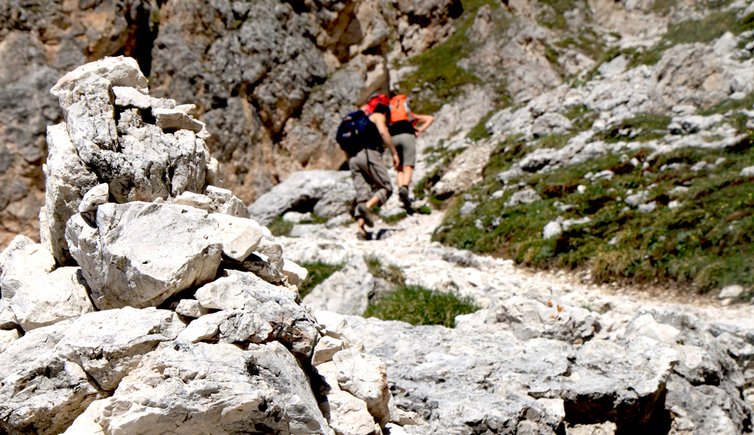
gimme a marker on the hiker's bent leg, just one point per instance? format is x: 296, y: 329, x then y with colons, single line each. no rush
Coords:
x: 397, y: 140
x: 409, y: 159
x: 359, y: 168
x: 380, y: 179
x: 408, y: 172
x: 359, y: 174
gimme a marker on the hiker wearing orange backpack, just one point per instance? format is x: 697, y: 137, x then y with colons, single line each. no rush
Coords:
x: 405, y: 127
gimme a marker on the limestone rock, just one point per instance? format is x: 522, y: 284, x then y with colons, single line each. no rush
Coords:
x: 261, y: 388
x: 288, y: 321
x: 95, y: 197
x: 365, y: 377
x: 346, y: 413
x: 36, y: 294
x: 8, y: 336
x: 326, y: 348
x: 528, y: 318
x: 238, y: 237
x: 184, y: 251
x: 66, y: 182
x: 223, y: 201
x: 190, y: 308
x: 326, y: 193
x: 51, y: 374
x: 7, y: 318
x: 170, y: 119
x: 293, y: 272
x: 345, y: 291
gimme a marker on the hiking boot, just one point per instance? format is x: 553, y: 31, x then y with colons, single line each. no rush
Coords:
x: 403, y: 195
x: 363, y: 212
x: 363, y: 235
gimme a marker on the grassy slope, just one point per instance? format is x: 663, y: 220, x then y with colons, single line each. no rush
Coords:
x: 705, y: 243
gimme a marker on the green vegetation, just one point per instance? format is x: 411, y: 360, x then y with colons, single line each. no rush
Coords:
x: 555, y: 140
x: 425, y: 209
x: 280, y: 227
x: 318, y: 272
x: 413, y: 304
x: 700, y: 234
x: 581, y: 117
x: 445, y: 156
x: 554, y: 16
x: 641, y: 128
x: 707, y: 29
x: 439, y: 77
x: 420, y: 306
x: 479, y: 131
x: 397, y: 217
x: 704, y: 30
x: 730, y: 105
x: 390, y: 273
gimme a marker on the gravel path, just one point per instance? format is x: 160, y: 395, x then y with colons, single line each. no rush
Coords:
x: 407, y: 244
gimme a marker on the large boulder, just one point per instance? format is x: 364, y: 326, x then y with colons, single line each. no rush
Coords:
x: 326, y: 193
x: 139, y: 254
x: 286, y: 320
x: 35, y: 293
x: 51, y: 374
x: 212, y: 388
x: 113, y: 131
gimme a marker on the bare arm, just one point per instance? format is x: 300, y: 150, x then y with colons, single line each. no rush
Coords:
x: 423, y: 122
x: 379, y: 121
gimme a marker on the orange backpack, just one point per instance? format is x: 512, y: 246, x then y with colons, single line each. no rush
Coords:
x: 399, y: 110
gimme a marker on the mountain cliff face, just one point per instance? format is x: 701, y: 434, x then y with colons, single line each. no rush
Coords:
x: 268, y: 77
x: 612, y: 137
x: 271, y: 78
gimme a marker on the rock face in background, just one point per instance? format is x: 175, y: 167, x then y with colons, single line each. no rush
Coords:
x: 176, y: 311
x: 269, y: 78
x: 542, y: 355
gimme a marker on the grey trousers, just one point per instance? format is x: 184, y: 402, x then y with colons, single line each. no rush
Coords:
x: 370, y: 176
x: 405, y: 144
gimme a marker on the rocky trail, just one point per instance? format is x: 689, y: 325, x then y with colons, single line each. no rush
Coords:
x: 408, y: 245
x: 612, y: 353
x: 177, y: 310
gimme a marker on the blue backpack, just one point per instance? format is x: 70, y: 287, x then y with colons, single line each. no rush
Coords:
x: 351, y: 135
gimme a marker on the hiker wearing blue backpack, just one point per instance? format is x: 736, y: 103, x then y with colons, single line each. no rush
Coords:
x: 363, y: 135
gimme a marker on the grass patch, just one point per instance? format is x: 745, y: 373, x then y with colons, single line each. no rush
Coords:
x: 582, y: 118
x: 397, y: 217
x: 444, y: 156
x: 280, y: 227
x: 729, y: 105
x: 424, y: 210
x: 507, y: 151
x: 703, y: 30
x: 318, y: 272
x: 586, y: 41
x: 438, y: 77
x: 640, y: 128
x: 553, y: 15
x: 705, y: 240
x: 555, y: 140
x: 479, y: 131
x: 390, y: 273
x: 420, y: 306
x: 706, y: 29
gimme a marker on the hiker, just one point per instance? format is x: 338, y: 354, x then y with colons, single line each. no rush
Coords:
x: 405, y: 127
x: 370, y: 176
